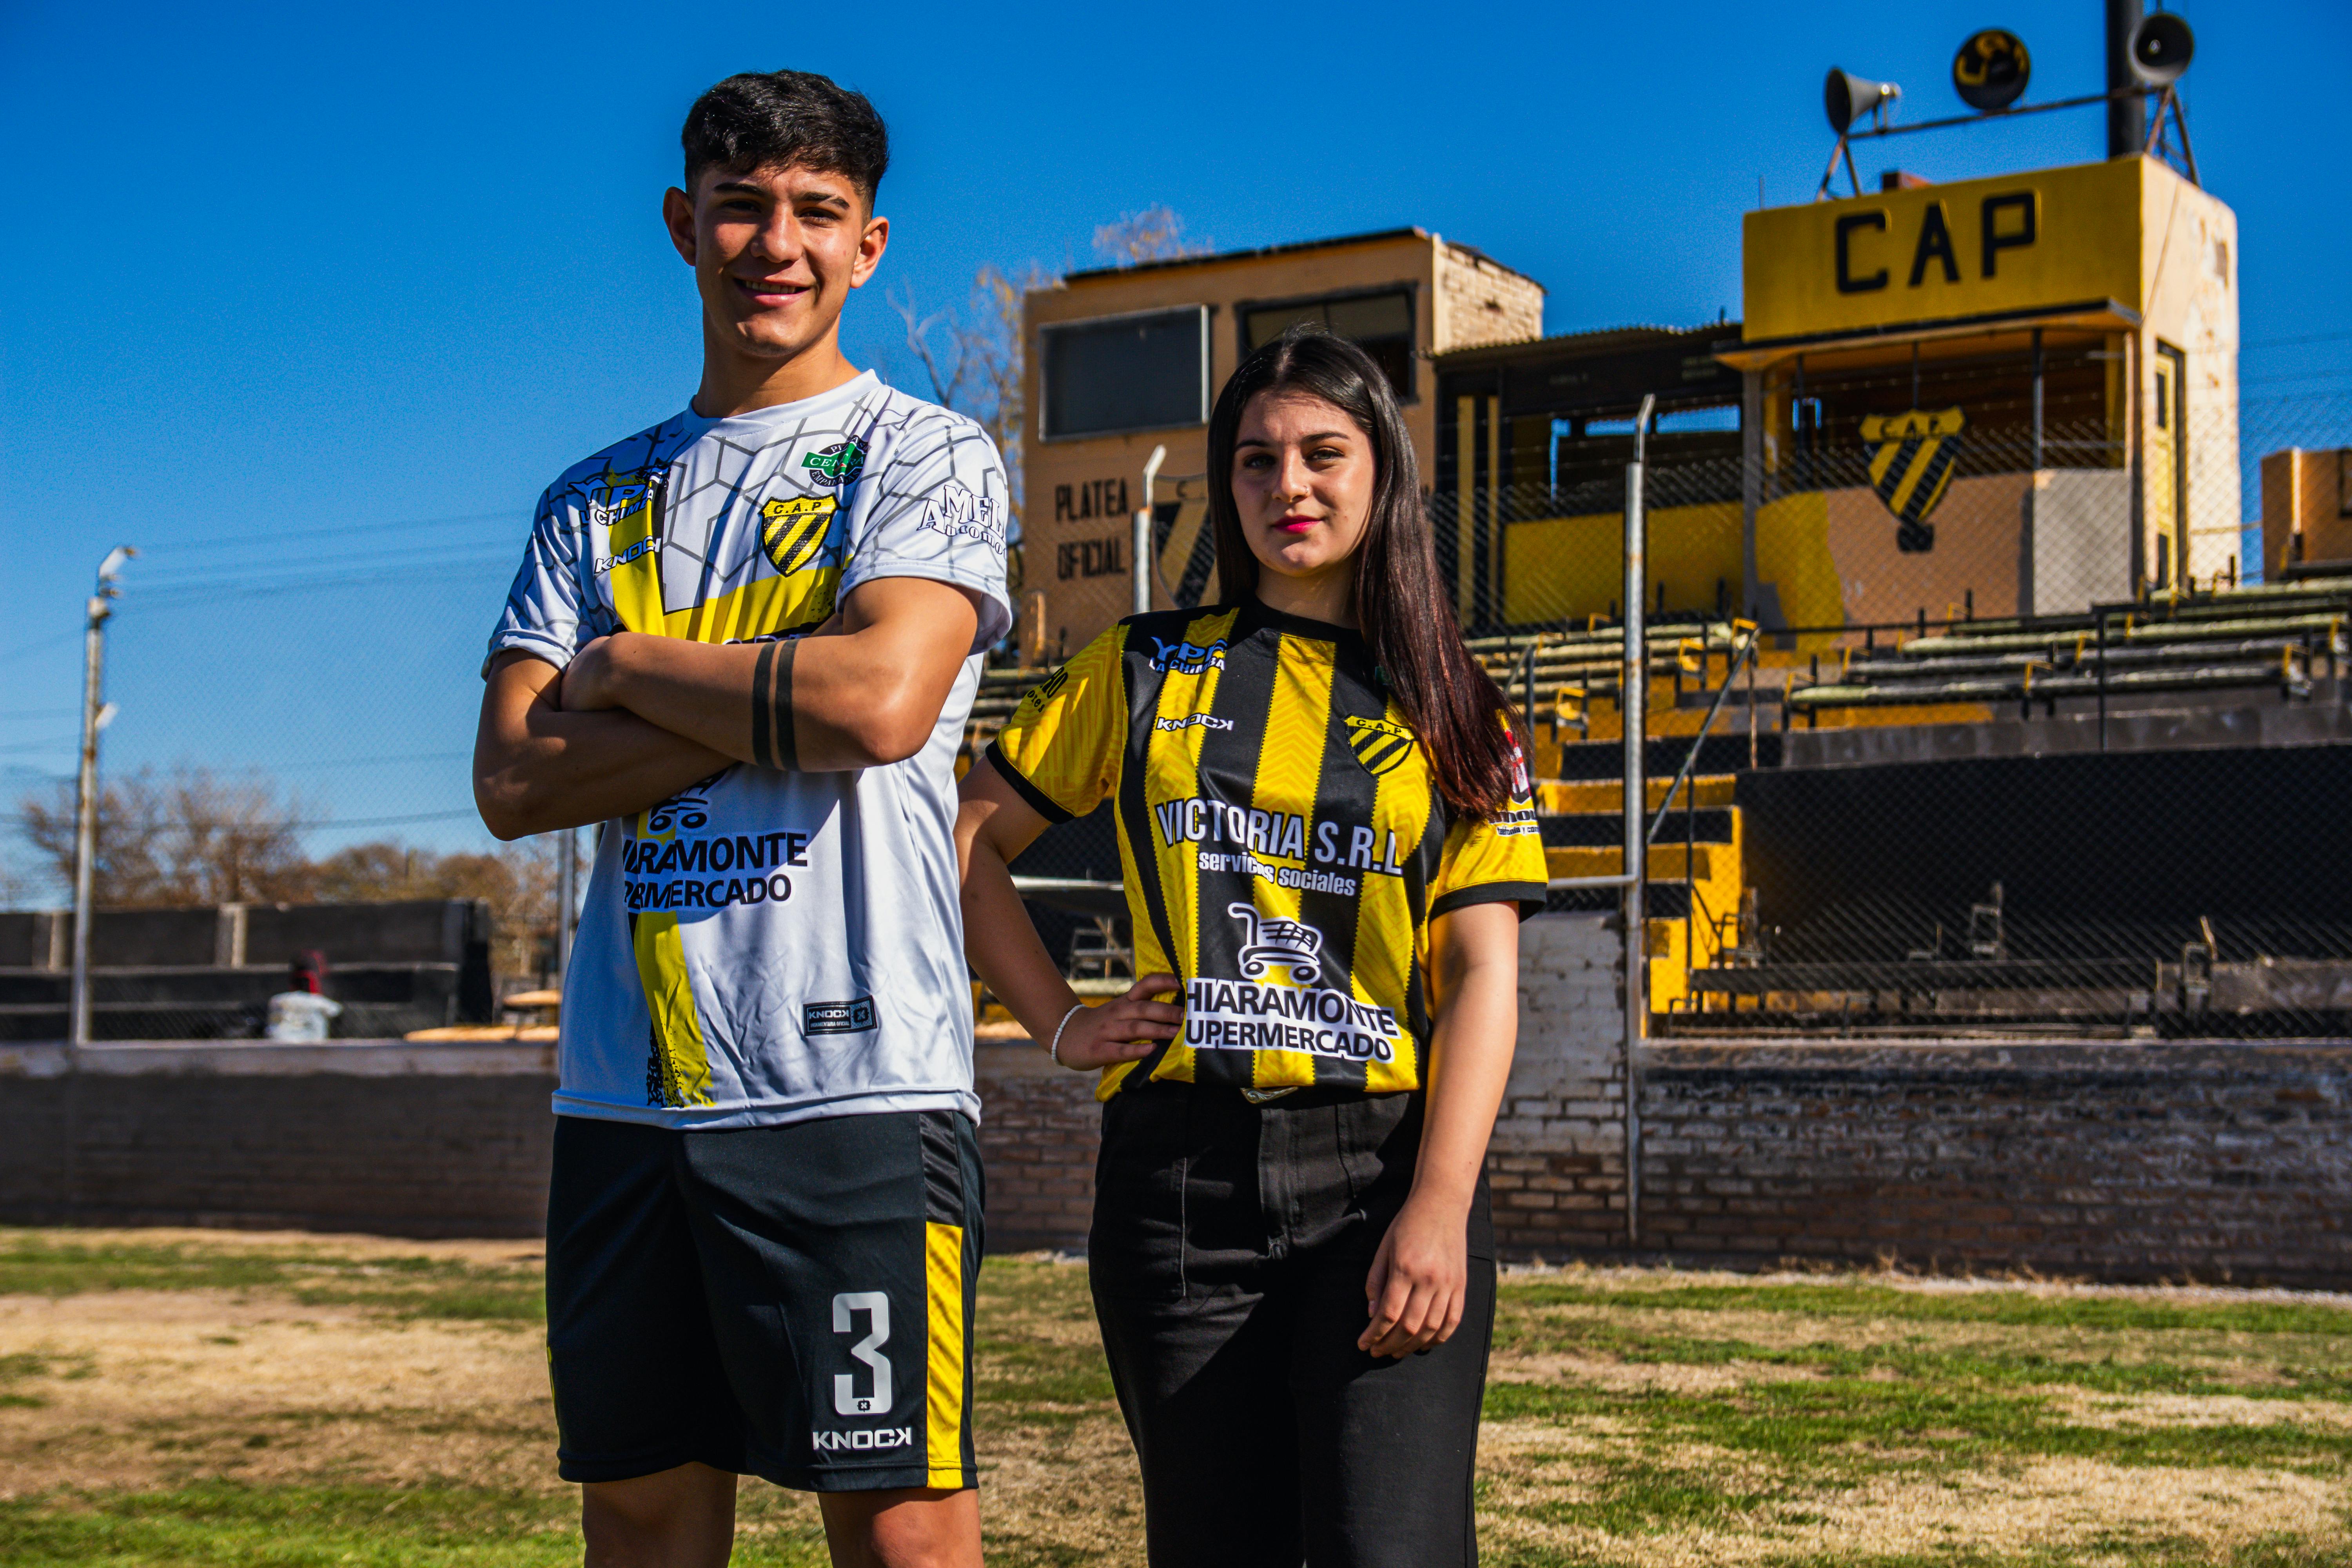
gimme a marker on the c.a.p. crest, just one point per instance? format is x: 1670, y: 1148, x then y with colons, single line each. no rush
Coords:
x: 1378, y: 744
x: 1911, y: 460
x: 791, y: 532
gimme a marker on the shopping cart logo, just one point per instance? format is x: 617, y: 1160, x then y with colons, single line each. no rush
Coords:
x: 1911, y: 458
x: 1378, y: 744
x: 1268, y: 946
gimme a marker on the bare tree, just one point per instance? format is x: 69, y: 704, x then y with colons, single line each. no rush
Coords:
x: 126, y: 869
x: 190, y: 838
x: 1155, y: 233
x: 974, y: 361
x: 230, y: 841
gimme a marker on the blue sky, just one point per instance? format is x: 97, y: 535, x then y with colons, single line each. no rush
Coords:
x: 311, y: 303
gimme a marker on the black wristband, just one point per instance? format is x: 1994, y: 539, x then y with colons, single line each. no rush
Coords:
x: 772, y: 742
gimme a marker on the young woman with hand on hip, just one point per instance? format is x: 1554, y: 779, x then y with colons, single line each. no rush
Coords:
x: 1328, y: 847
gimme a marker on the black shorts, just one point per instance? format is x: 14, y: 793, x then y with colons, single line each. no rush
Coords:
x: 793, y: 1302
x: 1229, y: 1246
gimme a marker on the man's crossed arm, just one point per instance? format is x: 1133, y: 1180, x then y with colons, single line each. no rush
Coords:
x: 636, y: 717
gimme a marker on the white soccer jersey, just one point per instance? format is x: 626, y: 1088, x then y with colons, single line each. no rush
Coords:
x: 769, y: 946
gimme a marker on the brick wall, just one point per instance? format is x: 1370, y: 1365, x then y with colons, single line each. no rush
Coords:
x: 2121, y: 1160
x: 2124, y: 1159
x: 1557, y: 1163
x: 1479, y: 300
x: 394, y: 1139
x: 401, y: 1139
x: 1039, y: 1128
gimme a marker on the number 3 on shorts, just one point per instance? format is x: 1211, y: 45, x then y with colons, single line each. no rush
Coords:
x: 846, y: 1400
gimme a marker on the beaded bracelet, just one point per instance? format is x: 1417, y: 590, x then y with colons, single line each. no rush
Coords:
x: 1055, y: 1050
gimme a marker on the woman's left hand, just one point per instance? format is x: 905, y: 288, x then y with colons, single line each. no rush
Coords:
x: 1420, y: 1278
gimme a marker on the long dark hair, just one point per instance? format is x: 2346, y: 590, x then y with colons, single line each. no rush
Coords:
x: 1454, y: 706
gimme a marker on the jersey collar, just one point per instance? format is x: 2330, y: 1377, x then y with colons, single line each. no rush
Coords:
x: 1256, y: 617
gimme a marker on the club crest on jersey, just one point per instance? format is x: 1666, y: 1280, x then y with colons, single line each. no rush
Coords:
x: 839, y: 463
x: 1378, y: 744
x: 1268, y: 946
x: 1186, y: 657
x: 791, y: 532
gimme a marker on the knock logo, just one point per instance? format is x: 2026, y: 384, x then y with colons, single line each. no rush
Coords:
x: 791, y: 532
x: 1378, y: 744
x: 1911, y: 459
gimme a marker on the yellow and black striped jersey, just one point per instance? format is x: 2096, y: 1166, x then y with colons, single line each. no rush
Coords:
x: 1283, y: 845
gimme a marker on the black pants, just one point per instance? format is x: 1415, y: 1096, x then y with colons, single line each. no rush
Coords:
x: 1228, y: 1255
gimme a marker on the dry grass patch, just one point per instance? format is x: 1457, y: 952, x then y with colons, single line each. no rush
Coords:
x: 201, y: 1397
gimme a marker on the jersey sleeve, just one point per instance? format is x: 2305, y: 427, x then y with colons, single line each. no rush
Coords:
x: 1498, y: 861
x: 940, y: 510
x: 1061, y: 748
x: 543, y: 612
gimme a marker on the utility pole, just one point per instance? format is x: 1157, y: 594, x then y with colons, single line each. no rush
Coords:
x: 567, y: 898
x: 2127, y: 118
x: 1142, y: 548
x: 1634, y: 704
x: 96, y: 714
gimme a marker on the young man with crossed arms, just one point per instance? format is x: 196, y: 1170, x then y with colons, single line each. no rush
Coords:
x: 746, y: 641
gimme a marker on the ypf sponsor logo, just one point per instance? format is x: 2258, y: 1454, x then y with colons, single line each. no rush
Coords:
x: 1185, y: 656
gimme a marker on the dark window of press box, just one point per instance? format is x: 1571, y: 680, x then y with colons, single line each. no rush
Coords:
x: 2081, y: 423
x: 1379, y: 324
x: 1147, y: 372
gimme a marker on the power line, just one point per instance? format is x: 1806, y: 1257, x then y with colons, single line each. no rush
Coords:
x: 339, y: 530
x: 2306, y: 338
x: 350, y: 763
x: 2304, y: 375
x: 208, y: 591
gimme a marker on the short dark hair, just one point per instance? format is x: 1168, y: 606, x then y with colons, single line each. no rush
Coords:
x: 773, y: 120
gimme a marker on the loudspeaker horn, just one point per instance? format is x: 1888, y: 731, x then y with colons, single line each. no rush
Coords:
x: 2160, y: 47
x: 1848, y: 97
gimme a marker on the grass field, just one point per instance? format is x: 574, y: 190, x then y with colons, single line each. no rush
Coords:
x: 204, y: 1398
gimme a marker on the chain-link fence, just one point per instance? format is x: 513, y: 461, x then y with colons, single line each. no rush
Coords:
x: 1998, y: 715
x: 285, y: 798
x: 2005, y: 719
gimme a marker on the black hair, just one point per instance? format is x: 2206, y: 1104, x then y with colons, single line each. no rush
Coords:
x: 773, y: 120
x: 1461, y: 716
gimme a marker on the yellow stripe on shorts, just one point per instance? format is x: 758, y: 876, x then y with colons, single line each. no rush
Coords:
x: 943, y: 1268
